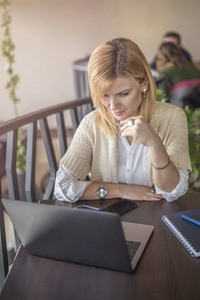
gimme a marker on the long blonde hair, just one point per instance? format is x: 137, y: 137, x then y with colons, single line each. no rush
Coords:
x: 118, y: 57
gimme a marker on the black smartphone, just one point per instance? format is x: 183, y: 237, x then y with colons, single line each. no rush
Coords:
x: 121, y: 207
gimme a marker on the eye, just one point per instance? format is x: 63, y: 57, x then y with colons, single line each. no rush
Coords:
x: 124, y: 94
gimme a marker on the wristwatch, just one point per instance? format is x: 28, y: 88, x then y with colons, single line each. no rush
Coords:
x: 101, y: 192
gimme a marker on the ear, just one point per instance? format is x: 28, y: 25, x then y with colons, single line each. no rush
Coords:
x: 145, y: 83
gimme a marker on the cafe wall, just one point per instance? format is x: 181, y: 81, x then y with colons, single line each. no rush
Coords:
x: 51, y: 34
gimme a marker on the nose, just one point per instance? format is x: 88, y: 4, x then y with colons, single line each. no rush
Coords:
x: 113, y: 103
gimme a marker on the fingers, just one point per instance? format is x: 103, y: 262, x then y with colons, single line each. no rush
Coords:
x: 151, y: 195
x: 128, y: 123
x: 142, y: 193
x: 129, y: 127
x: 139, y: 129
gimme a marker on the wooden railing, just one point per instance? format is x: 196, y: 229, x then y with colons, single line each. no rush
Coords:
x: 35, y: 122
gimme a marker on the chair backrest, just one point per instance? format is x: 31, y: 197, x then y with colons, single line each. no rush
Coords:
x: 3, y: 246
x: 35, y: 125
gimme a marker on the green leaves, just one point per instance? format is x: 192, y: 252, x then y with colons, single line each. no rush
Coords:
x: 193, y: 119
x: 7, y: 51
x: 161, y: 96
x: 21, y: 153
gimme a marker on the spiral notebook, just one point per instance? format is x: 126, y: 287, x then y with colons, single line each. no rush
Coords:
x: 187, y: 232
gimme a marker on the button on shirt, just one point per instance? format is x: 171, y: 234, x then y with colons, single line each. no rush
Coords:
x: 132, y: 162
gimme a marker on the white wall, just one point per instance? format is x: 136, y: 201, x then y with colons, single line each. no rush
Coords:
x: 50, y: 34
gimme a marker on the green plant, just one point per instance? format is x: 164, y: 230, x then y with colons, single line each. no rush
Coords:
x: 193, y: 118
x: 21, y: 153
x: 7, y: 51
x: 161, y: 96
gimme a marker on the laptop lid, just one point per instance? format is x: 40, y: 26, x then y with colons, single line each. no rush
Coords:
x: 80, y: 236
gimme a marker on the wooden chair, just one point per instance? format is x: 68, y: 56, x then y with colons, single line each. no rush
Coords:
x: 36, y: 126
x: 3, y: 247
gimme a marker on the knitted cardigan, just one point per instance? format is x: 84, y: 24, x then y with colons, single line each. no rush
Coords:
x: 92, y: 152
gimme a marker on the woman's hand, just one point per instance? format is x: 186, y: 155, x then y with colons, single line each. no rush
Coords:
x: 139, y: 193
x: 141, y: 131
x: 165, y: 174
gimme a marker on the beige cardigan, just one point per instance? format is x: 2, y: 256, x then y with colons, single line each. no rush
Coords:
x: 92, y: 152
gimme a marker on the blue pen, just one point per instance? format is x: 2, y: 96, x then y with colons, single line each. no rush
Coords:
x: 190, y: 219
x: 88, y: 207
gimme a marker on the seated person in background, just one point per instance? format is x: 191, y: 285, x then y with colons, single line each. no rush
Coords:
x: 180, y: 75
x: 134, y: 147
x: 175, y: 38
x: 192, y: 100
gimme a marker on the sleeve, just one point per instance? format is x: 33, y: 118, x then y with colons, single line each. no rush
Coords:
x: 78, y: 158
x: 176, y: 138
x: 68, y: 187
x: 179, y: 190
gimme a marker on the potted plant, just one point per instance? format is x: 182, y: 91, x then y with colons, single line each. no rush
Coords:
x: 193, y: 119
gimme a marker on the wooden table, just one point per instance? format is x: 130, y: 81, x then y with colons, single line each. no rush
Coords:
x: 165, y: 271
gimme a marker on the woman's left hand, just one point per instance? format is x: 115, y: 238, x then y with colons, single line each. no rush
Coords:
x: 165, y: 178
x: 141, y: 131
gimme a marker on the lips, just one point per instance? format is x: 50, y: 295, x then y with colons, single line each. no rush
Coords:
x: 118, y: 113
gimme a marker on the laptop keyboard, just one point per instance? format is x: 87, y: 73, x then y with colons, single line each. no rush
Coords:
x: 132, y: 248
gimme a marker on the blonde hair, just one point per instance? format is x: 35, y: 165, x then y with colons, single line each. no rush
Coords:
x: 114, y: 58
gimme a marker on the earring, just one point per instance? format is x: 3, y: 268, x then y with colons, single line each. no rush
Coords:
x: 144, y: 93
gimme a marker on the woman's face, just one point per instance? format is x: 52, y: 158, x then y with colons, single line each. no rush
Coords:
x: 124, y: 97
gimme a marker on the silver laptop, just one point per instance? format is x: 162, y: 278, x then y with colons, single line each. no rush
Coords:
x: 87, y: 237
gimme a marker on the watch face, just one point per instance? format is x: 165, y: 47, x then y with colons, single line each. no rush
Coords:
x: 101, y: 192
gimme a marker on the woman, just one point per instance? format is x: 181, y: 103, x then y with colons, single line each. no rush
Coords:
x: 180, y: 75
x: 134, y: 147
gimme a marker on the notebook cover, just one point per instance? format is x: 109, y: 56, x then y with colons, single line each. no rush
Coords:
x: 188, y: 233
x: 192, y: 215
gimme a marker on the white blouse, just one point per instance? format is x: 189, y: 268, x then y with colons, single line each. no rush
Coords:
x: 132, y: 169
